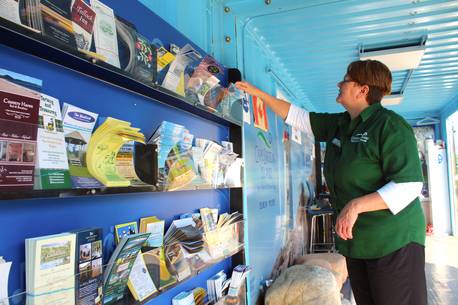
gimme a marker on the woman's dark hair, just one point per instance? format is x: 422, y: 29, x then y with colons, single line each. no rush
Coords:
x: 374, y: 74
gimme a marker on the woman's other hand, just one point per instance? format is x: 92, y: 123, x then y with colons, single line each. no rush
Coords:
x: 249, y: 88
x: 346, y: 220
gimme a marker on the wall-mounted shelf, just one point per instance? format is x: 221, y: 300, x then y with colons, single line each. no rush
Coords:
x: 30, y: 42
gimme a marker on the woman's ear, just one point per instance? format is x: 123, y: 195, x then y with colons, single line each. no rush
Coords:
x: 364, y: 90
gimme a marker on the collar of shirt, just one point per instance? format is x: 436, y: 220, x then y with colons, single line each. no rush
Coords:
x: 345, y: 120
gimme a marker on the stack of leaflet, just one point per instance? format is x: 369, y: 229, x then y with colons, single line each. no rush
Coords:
x: 117, y: 272
x: 226, y: 238
x: 206, y: 154
x: 227, y: 158
x: 78, y: 125
x: 185, y: 232
x: 180, y: 69
x: 226, y: 219
x: 155, y: 227
x: 50, y: 269
x: 209, y: 218
x: 216, y: 285
x: 19, y: 111
x: 199, y: 295
x: 204, y: 86
x: 103, y: 147
x: 175, y: 165
x: 184, y: 298
x: 5, y: 268
x: 239, y: 274
x: 31, y: 15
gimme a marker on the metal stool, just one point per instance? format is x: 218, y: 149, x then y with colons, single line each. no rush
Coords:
x: 326, y: 244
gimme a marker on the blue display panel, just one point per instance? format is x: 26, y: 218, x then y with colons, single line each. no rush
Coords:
x: 30, y: 218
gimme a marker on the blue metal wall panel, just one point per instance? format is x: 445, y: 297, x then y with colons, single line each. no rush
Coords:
x: 30, y: 218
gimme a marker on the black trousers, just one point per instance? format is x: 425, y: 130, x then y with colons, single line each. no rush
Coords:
x: 395, y: 279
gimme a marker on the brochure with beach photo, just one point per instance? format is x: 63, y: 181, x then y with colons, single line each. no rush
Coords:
x: 18, y: 131
x: 50, y: 269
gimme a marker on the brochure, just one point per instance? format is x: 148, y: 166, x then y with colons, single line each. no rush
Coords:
x: 125, y: 229
x: 89, y: 266
x: 18, y: 135
x: 105, y: 39
x: 78, y: 126
x: 51, y: 169
x: 5, y: 268
x: 120, y: 265
x: 83, y: 18
x: 9, y: 9
x: 57, y: 21
x: 154, y: 226
x: 50, y: 269
x: 140, y: 283
x: 103, y: 147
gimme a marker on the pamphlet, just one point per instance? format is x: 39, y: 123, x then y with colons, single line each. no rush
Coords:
x: 18, y: 135
x: 50, y: 269
x: 155, y: 261
x: 83, y: 18
x: 103, y: 147
x: 105, y: 40
x: 89, y: 267
x: 154, y: 226
x: 120, y: 265
x: 140, y: 283
x: 57, y: 21
x: 9, y: 9
x: 185, y: 60
x: 125, y: 229
x: 51, y: 169
x: 125, y: 163
x: 137, y: 55
x: 78, y: 126
x: 5, y: 268
x: 184, y: 298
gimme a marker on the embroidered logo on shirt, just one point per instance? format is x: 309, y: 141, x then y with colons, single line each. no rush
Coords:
x: 359, y: 137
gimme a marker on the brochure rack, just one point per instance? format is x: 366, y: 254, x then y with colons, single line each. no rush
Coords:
x: 236, y: 242
x: 109, y: 91
x: 25, y: 40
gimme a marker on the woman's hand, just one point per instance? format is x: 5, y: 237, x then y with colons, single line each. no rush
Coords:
x: 249, y: 88
x: 346, y: 219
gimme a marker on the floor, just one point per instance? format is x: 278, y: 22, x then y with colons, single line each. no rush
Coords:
x: 442, y: 270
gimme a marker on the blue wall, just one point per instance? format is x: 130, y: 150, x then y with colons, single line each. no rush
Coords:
x: 30, y: 218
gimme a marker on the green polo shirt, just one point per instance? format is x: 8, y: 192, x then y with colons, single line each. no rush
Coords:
x: 362, y: 155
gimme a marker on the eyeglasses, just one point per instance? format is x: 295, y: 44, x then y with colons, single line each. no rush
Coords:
x: 346, y: 81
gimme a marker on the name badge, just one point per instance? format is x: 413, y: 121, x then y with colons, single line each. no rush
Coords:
x: 336, y: 142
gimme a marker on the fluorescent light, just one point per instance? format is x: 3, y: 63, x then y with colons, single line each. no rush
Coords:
x: 394, y: 99
x: 397, y: 58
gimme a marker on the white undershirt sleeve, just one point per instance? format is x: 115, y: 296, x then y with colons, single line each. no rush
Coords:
x: 398, y: 195
x: 299, y: 118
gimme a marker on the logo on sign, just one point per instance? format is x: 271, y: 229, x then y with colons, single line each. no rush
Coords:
x: 82, y: 117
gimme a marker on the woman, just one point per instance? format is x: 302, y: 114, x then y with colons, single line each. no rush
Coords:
x: 374, y: 176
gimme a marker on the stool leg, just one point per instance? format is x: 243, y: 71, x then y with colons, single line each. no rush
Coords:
x: 312, y: 233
